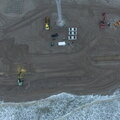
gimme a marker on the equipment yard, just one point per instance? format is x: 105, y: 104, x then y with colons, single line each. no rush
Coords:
x: 81, y: 57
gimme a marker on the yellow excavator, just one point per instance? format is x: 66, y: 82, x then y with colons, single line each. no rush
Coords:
x: 20, y: 75
x: 117, y: 23
x: 47, y: 23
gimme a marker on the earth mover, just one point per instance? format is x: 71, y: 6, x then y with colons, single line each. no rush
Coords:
x: 117, y: 23
x: 20, y: 75
x: 47, y: 23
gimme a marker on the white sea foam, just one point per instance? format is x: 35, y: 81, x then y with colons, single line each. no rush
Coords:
x: 64, y: 106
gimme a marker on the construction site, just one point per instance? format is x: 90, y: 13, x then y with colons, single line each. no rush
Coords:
x: 53, y: 46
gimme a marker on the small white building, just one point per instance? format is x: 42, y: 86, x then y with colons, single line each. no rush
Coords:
x: 63, y: 43
x: 72, y: 29
x: 72, y: 37
x: 72, y: 33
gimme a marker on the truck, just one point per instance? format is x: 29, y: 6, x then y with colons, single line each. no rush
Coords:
x: 103, y: 23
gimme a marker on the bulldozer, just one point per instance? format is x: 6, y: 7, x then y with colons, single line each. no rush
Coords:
x: 20, y: 75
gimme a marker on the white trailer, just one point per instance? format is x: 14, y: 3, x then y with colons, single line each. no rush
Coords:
x: 63, y: 43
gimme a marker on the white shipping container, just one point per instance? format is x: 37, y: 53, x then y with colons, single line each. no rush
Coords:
x: 62, y: 43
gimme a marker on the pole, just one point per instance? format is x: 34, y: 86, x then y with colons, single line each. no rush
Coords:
x: 59, y: 11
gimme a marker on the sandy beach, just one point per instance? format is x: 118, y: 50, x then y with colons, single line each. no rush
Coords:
x: 88, y: 65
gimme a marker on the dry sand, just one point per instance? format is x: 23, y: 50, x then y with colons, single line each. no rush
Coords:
x: 74, y: 68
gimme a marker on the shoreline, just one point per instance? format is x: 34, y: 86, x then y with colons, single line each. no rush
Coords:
x: 21, y: 99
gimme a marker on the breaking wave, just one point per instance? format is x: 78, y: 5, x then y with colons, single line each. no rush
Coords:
x: 64, y: 106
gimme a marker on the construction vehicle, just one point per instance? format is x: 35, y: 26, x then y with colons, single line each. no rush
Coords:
x: 20, y: 75
x: 103, y: 22
x: 54, y: 35
x: 47, y: 23
x: 117, y: 23
x: 52, y: 44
